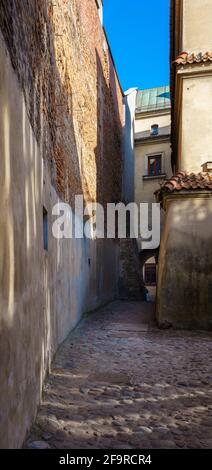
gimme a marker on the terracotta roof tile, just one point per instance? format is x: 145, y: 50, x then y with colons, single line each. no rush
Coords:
x: 192, y: 57
x: 185, y: 181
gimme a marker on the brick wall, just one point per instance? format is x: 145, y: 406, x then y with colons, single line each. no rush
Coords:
x: 60, y: 54
x: 60, y: 102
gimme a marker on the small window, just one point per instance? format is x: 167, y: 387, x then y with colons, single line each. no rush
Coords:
x: 45, y: 229
x: 154, y: 129
x: 154, y: 165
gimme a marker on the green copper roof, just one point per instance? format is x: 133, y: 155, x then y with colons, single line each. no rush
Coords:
x: 153, y: 99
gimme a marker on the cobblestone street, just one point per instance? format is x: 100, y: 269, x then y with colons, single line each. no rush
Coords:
x: 119, y: 382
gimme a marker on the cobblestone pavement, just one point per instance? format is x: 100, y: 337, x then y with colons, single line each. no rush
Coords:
x: 119, y: 382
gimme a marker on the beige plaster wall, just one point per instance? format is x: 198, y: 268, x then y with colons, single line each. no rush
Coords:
x: 144, y: 189
x: 195, y: 143
x: 184, y: 289
x: 42, y: 294
x: 197, y: 20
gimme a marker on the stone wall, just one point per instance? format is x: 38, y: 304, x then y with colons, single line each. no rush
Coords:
x: 60, y: 134
x: 131, y: 285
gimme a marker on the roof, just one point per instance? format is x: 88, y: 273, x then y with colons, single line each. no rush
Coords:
x: 193, y: 57
x: 162, y: 132
x: 153, y: 99
x: 185, y: 182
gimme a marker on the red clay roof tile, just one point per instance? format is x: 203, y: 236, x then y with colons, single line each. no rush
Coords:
x: 192, y: 57
x: 185, y: 182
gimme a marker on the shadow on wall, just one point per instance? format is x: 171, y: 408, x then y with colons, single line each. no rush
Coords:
x: 82, y: 158
x: 185, y: 265
x: 108, y: 165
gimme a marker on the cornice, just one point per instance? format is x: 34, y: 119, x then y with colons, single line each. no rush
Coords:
x: 150, y: 140
x: 152, y: 114
x: 168, y: 198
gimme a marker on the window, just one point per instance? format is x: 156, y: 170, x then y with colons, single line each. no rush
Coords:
x: 45, y: 229
x: 154, y: 165
x: 154, y: 129
x: 150, y: 274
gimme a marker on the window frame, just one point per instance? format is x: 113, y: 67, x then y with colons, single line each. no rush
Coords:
x: 146, y: 175
x: 158, y: 157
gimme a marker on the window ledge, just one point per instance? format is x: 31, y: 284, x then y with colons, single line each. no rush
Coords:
x: 155, y: 177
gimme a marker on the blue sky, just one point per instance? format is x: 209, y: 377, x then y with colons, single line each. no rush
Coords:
x: 138, y: 32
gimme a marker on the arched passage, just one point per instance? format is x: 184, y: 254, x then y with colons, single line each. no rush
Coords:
x: 148, y: 263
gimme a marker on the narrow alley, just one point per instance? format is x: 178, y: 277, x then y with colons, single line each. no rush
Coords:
x: 120, y: 382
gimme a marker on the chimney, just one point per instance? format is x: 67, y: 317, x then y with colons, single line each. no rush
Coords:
x: 207, y: 167
x: 99, y: 4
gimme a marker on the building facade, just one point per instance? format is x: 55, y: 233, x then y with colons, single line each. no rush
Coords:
x: 152, y: 156
x: 61, y: 128
x: 185, y: 262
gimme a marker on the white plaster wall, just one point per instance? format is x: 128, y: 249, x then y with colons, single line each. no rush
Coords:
x: 145, y: 123
x: 128, y: 164
x: 42, y: 294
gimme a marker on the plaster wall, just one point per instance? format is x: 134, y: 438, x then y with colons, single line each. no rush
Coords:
x: 145, y: 122
x: 42, y: 293
x: 129, y: 129
x: 197, y: 19
x: 195, y: 142
x: 184, y: 288
x: 144, y: 189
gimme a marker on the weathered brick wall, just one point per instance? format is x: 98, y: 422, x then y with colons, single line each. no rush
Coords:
x: 60, y: 54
